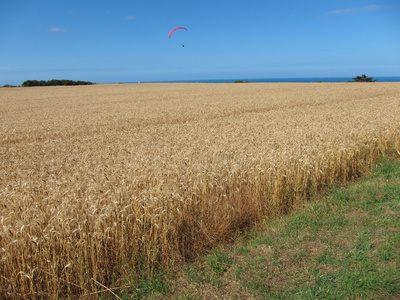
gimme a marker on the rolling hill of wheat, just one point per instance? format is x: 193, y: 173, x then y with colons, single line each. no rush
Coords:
x: 97, y: 182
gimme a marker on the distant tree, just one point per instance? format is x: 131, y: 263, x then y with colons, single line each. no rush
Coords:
x: 30, y: 83
x: 363, y: 78
x: 54, y: 82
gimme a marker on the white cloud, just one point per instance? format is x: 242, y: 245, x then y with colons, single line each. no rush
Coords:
x: 56, y: 29
x: 130, y: 17
x: 354, y: 10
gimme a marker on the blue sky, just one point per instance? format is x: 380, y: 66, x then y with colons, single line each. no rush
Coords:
x: 127, y: 40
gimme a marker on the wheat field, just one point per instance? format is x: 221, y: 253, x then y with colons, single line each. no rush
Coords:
x: 99, y: 182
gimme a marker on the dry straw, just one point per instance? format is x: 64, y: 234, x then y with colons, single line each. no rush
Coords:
x: 98, y: 182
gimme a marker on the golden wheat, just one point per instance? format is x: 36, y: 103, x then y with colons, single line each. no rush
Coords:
x: 99, y: 181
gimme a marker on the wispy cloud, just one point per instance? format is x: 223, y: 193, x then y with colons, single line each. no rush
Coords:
x: 56, y: 29
x: 355, y: 10
x: 129, y: 17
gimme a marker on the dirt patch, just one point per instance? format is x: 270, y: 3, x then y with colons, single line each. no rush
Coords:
x: 356, y: 214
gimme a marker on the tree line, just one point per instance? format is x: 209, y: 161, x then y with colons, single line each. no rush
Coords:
x: 54, y: 82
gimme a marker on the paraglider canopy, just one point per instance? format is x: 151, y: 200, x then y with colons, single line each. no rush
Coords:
x: 173, y: 30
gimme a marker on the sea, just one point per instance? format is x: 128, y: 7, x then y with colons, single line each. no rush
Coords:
x: 302, y: 79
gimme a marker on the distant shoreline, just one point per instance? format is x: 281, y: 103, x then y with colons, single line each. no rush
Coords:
x: 294, y: 79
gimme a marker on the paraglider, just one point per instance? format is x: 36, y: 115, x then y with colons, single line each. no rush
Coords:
x: 173, y: 30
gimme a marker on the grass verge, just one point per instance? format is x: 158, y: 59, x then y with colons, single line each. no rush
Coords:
x: 343, y: 246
